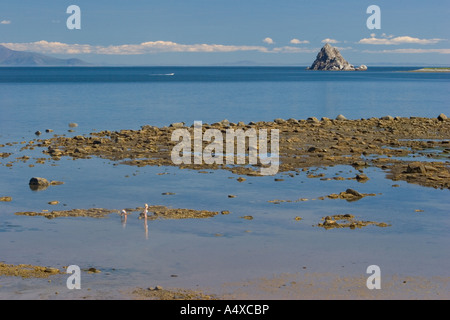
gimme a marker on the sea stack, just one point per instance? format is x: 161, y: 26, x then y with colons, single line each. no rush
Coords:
x: 329, y: 58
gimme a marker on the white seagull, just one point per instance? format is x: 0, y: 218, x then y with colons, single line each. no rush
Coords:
x: 144, y: 213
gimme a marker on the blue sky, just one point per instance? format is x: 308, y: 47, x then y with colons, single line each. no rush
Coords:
x: 208, y: 32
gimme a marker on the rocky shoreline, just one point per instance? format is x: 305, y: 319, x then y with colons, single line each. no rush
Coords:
x: 415, y: 149
x: 155, y: 212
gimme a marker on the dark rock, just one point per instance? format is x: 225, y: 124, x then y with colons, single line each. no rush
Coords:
x: 353, y: 192
x: 416, y: 167
x: 361, y: 177
x: 442, y: 117
x: 37, y: 183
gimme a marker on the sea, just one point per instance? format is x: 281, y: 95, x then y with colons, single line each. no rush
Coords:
x: 227, y: 248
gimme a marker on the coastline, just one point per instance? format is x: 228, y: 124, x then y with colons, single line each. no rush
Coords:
x: 431, y: 70
x: 397, y: 146
x: 46, y: 283
x: 389, y: 143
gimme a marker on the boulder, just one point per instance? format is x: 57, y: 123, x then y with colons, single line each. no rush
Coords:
x: 416, y: 167
x: 354, y: 193
x: 362, y: 67
x: 442, y: 117
x: 37, y: 183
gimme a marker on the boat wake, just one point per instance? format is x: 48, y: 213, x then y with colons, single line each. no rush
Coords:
x: 162, y: 74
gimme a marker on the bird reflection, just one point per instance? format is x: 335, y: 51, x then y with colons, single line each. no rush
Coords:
x: 146, y: 228
x: 123, y: 218
x: 144, y: 215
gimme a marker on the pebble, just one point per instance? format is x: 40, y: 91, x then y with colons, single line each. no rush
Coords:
x: 279, y: 121
x: 361, y: 177
x: 313, y: 120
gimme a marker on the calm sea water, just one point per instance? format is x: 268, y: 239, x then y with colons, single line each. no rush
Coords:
x: 224, y: 248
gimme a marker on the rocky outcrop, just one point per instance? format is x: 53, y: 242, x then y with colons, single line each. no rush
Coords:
x: 329, y: 58
x: 37, y: 184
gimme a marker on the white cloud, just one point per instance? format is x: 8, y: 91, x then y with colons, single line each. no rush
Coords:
x: 403, y: 51
x: 289, y: 49
x: 5, y: 22
x: 149, y: 47
x: 268, y: 40
x: 297, y: 41
x: 50, y: 47
x: 391, y: 40
x: 328, y: 40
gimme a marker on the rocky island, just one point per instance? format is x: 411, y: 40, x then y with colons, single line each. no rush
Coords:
x: 329, y: 58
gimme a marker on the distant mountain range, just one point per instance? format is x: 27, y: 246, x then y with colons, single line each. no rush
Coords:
x: 10, y: 57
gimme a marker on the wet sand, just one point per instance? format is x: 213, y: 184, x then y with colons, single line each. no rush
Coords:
x: 305, y: 285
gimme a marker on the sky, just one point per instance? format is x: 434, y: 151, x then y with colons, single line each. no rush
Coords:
x: 227, y: 32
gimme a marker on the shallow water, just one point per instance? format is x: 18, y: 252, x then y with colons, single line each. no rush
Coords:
x: 224, y: 248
